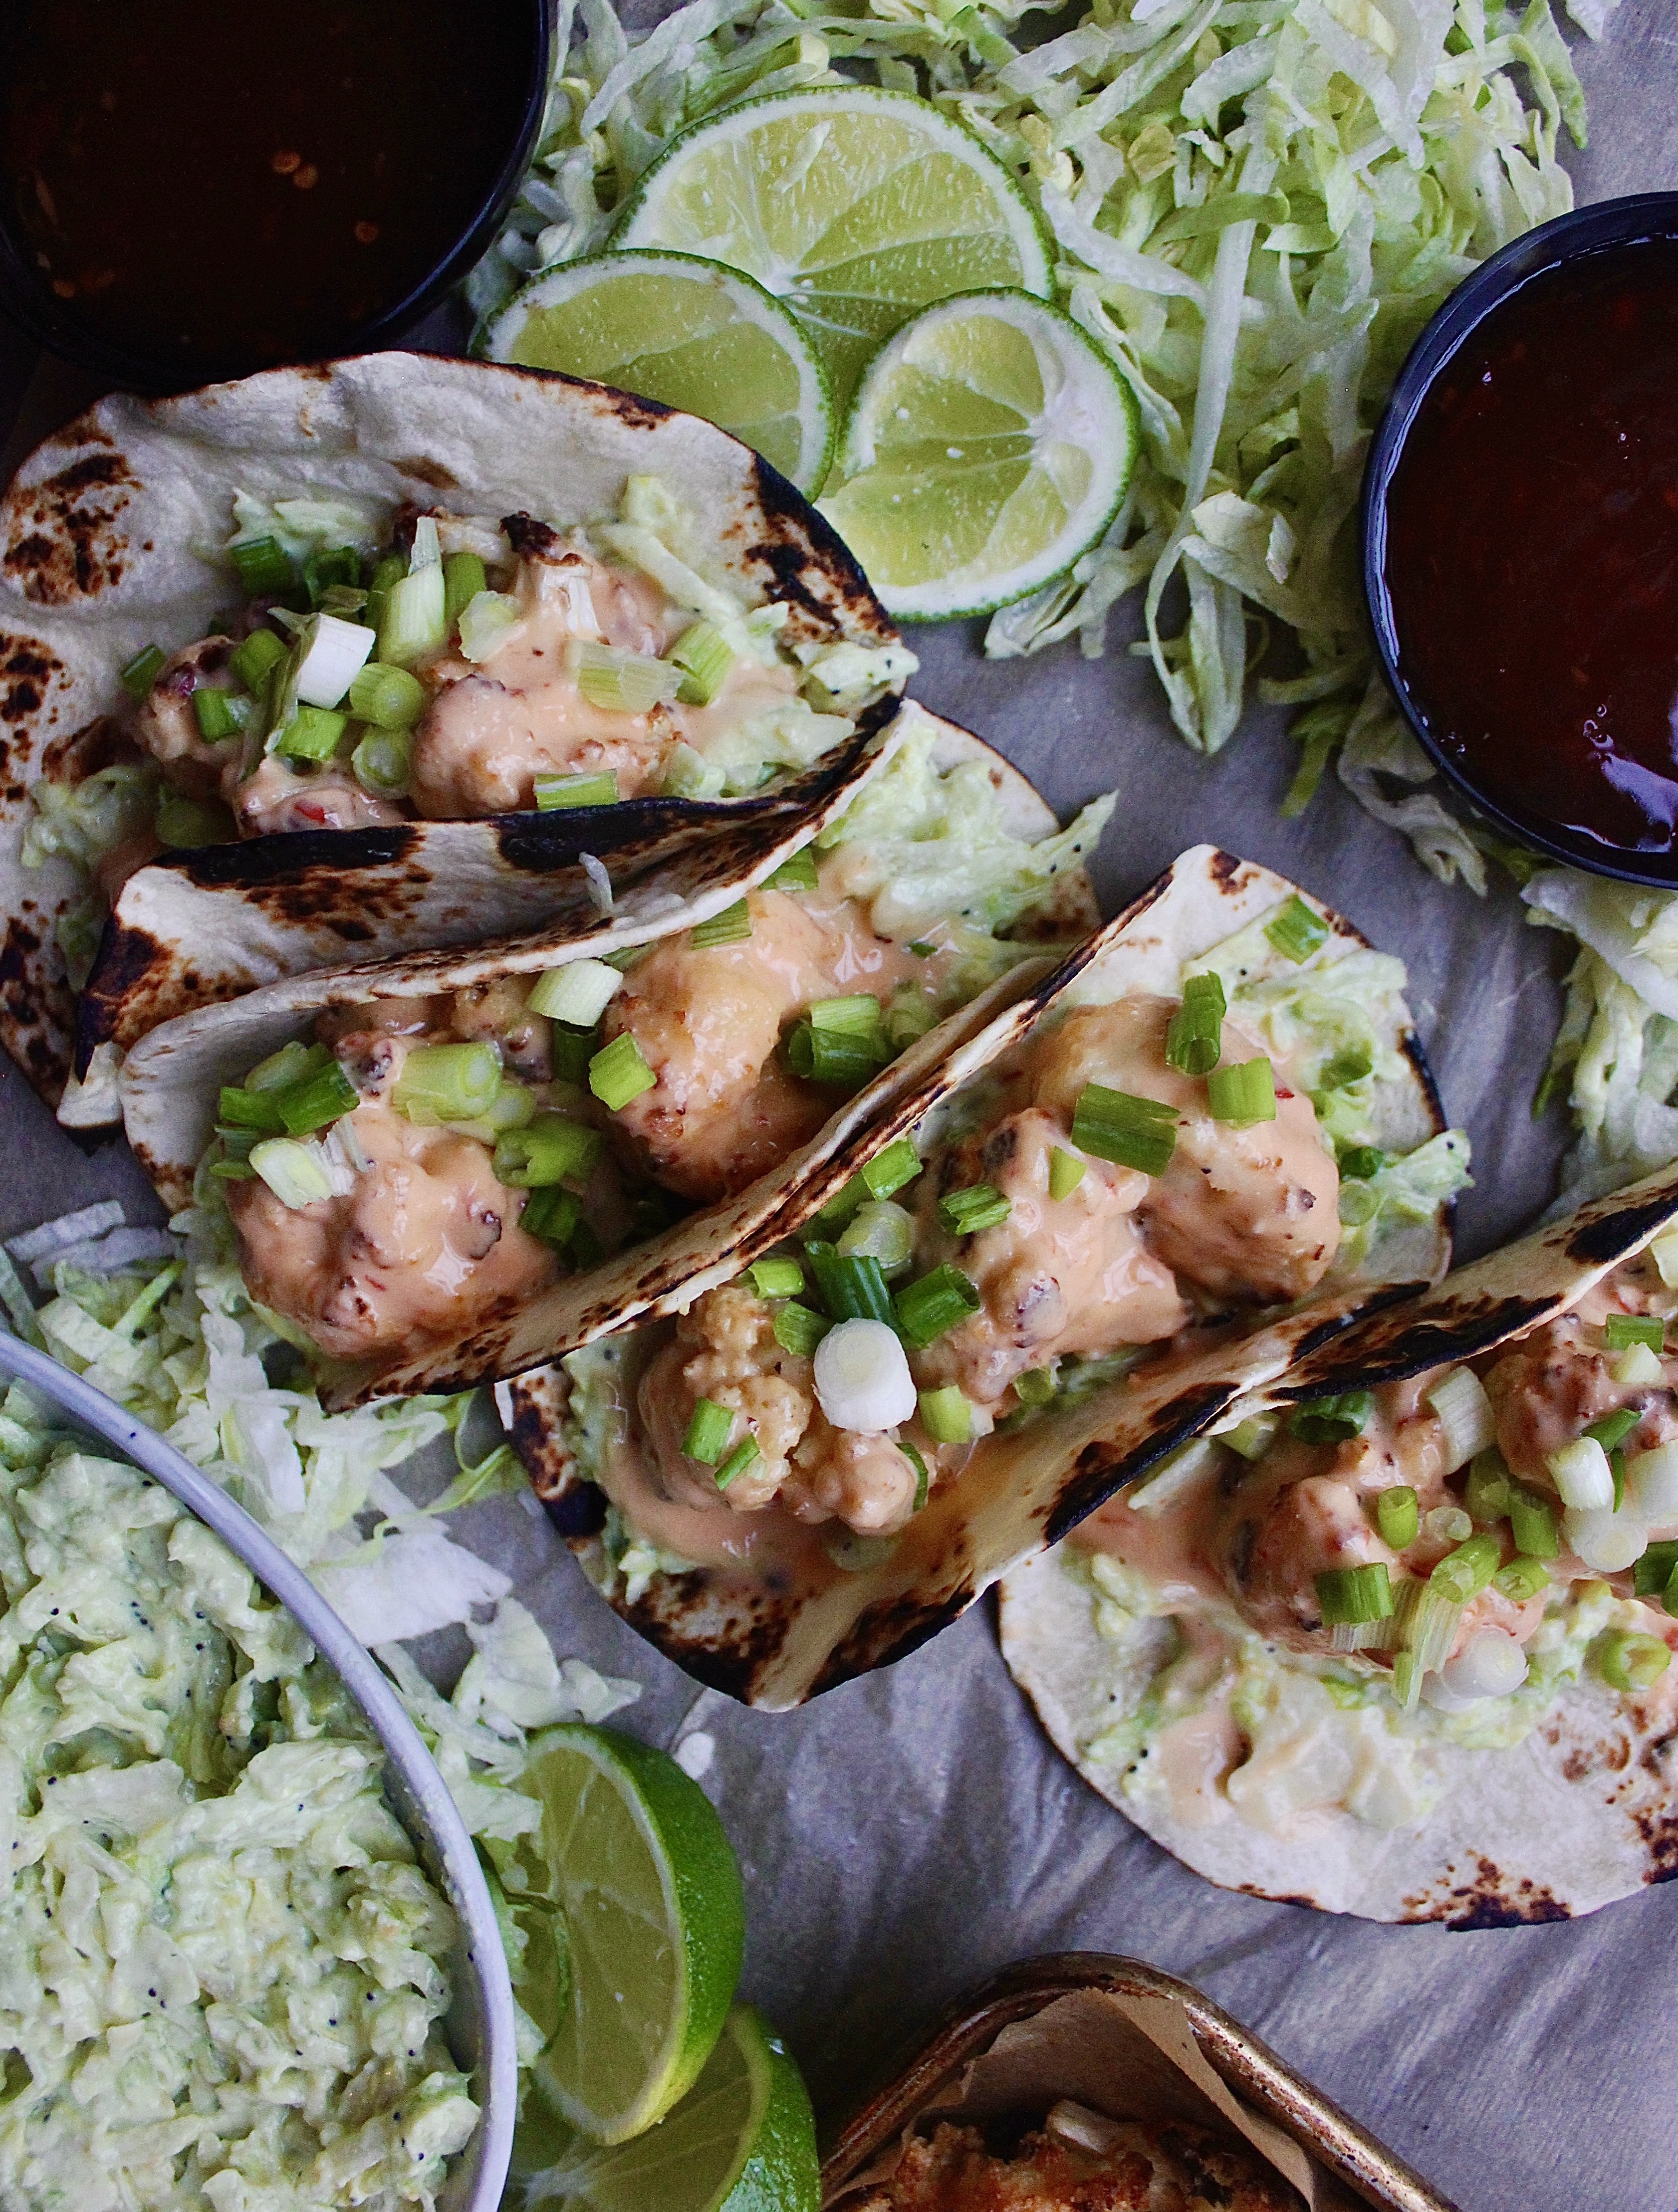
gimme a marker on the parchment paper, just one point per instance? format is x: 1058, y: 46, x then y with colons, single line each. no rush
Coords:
x: 913, y: 1831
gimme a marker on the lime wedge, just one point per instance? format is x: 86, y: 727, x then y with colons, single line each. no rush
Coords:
x: 991, y: 443
x: 742, y: 2140
x: 689, y: 332
x: 854, y: 205
x: 648, y: 1892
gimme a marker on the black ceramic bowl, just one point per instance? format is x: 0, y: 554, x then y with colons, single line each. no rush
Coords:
x: 1553, y: 246
x: 504, y: 105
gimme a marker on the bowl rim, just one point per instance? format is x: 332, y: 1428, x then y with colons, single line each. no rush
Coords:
x: 1603, y: 224
x: 25, y: 300
x: 479, y: 2181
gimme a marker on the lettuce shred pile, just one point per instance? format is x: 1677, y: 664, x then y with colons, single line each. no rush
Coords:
x: 1254, y: 206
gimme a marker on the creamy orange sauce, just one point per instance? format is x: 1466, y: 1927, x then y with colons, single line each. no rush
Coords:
x: 708, y: 1020
x: 426, y: 1245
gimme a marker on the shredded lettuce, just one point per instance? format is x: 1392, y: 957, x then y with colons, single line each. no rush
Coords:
x: 1256, y: 205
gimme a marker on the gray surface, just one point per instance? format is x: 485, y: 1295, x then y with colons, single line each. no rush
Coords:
x: 909, y: 1833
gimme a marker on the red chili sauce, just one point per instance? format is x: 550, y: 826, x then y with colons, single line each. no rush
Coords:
x: 230, y: 186
x: 1532, y: 552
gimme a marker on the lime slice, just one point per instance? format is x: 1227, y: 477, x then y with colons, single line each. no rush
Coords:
x: 990, y: 445
x: 854, y: 205
x: 648, y: 1890
x: 689, y: 332
x: 742, y: 2140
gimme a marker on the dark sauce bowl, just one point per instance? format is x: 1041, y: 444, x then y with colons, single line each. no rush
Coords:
x: 262, y: 202
x: 1490, y: 633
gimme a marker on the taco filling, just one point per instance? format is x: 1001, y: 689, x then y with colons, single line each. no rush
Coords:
x: 1133, y: 1175
x: 451, y: 668
x: 1329, y: 1597
x: 417, y: 1167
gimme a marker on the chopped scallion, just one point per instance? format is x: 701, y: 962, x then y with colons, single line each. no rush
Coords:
x: 1488, y: 1491
x: 845, y: 1059
x: 313, y: 733
x: 290, y: 1062
x: 1522, y: 1579
x: 889, y: 1171
x: 620, y: 682
x: 618, y: 1073
x: 738, y: 1461
x: 389, y: 697
x: 1115, y: 1124
x: 1614, y: 1428
x: 548, y: 1150
x: 253, y: 661
x: 330, y: 572
x: 1065, y: 1172
x: 1631, y: 1662
x: 882, y: 1231
x: 1621, y: 1331
x: 552, y: 1213
x: 183, y: 823
x: 382, y: 762
x: 1651, y: 1575
x: 137, y: 676
x: 923, y: 1481
x: 1193, y: 1042
x: 776, y: 1278
x: 799, y: 1330
x: 220, y: 714
x: 704, y: 656
x: 796, y: 874
x: 1533, y: 1520
x: 946, y: 1416
x: 572, y: 1050
x: 464, y: 578
x: 1359, y: 1163
x: 852, y: 1285
x: 248, y: 1109
x: 1244, y: 1093
x: 1462, y: 1574
x: 1035, y: 1386
x: 440, y: 1083
x: 1297, y: 931
x: 295, y: 1172
x: 731, y: 927
x: 708, y: 1431
x: 411, y: 622
x: 1332, y: 1420
x: 965, y: 1212
x: 1346, y: 1595
x: 556, y: 791
x: 1350, y: 1065
x: 856, y: 1015
x: 319, y: 1098
x: 263, y: 565
x: 1397, y: 1516
x: 936, y: 1303
x: 577, y: 994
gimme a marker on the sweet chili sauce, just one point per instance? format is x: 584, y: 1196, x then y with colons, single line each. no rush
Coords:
x: 1532, y: 552
x: 230, y: 186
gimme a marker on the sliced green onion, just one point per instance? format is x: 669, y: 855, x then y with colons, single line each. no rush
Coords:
x: 797, y: 874
x: 856, y: 1015
x: 464, y: 578
x: 389, y: 697
x: 550, y: 1149
x: 571, y: 1050
x: 708, y: 1431
x: 263, y: 565
x: 253, y: 661
x: 825, y: 1227
x: 946, y: 1416
x: 835, y: 1057
x: 1250, y: 1439
x: 1346, y: 1595
x: 1407, y: 1680
x: 889, y: 1171
x: 331, y: 654
x: 618, y: 1074
x: 1115, y: 1124
x: 1359, y: 1163
x: 1463, y: 1573
x: 411, y: 622
x: 882, y: 1231
x: 1332, y: 1420
x: 934, y: 1304
x: 1194, y: 1042
x: 1035, y: 1386
x: 319, y: 1098
x: 220, y: 714
x: 1637, y: 1368
x: 923, y: 1481
x: 1349, y: 1065
x: 248, y: 1109
x: 1631, y: 1662
x: 137, y: 676
x: 1065, y: 1172
x: 731, y: 927
x: 292, y: 1171
x: 1653, y: 1574
x: 329, y: 572
x: 921, y: 947
x: 799, y: 1330
x: 704, y: 656
x: 851, y: 1283
x: 776, y: 1278
x: 1614, y: 1428
x: 1297, y: 931
x: 1397, y: 1516
x: 313, y: 733
x: 426, y: 550
x: 1429, y: 1618
x: 440, y: 1083
x: 906, y: 1019
x: 1581, y: 1473
x: 1621, y: 1331
x: 552, y: 1213
x: 620, y: 682
x: 484, y: 622
x: 1488, y: 1492
x: 965, y: 1212
x: 185, y: 824
x: 1522, y: 1579
x: 513, y: 1107
x: 382, y: 762
x: 290, y: 1062
x: 577, y: 993
x: 738, y: 1461
x: 1533, y: 1520
x: 555, y: 792
x: 1244, y: 1093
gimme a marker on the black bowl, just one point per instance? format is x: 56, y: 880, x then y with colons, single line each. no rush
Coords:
x: 1586, y: 230
x: 28, y: 300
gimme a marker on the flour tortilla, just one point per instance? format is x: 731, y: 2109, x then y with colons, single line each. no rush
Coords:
x: 170, y: 1081
x: 1584, y: 1812
x: 110, y: 540
x: 1021, y: 1490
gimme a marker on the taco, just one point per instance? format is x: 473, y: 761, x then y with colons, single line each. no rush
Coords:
x: 1400, y: 1644
x: 357, y: 600
x: 1190, y: 1155
x: 446, y: 1168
